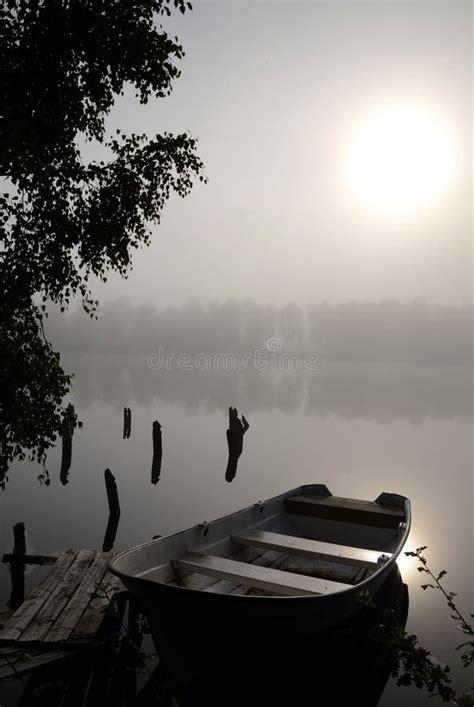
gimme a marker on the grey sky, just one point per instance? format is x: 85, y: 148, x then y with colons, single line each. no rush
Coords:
x: 274, y: 91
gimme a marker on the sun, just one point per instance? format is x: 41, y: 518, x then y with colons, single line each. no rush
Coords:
x: 400, y: 159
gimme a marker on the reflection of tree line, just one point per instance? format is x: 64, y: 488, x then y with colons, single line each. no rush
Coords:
x: 355, y: 331
x: 370, y: 391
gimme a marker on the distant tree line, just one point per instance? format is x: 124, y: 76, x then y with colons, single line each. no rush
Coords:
x: 384, y: 331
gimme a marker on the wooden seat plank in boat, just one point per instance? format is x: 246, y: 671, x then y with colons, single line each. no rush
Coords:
x: 310, y: 548
x: 286, y: 583
x: 346, y: 510
x: 261, y: 558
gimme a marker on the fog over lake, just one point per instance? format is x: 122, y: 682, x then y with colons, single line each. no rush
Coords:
x: 357, y: 422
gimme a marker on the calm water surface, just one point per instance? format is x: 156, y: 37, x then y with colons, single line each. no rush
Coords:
x: 360, y: 429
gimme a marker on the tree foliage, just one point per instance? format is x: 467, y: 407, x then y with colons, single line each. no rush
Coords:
x: 64, y: 62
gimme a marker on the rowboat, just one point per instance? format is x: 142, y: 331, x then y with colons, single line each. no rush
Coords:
x: 301, y: 562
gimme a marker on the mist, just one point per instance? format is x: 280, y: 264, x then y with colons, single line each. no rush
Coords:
x: 384, y: 331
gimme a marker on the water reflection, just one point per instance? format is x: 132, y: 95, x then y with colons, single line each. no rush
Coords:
x: 378, y: 392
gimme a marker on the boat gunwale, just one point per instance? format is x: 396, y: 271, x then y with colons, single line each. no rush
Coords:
x: 356, y: 588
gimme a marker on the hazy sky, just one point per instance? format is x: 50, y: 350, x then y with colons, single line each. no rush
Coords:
x: 276, y: 93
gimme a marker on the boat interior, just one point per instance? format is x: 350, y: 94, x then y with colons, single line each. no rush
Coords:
x: 303, y: 544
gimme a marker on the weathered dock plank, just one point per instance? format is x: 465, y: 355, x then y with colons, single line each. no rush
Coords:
x: 23, y: 616
x: 78, y: 603
x: 68, y: 607
x: 58, y: 598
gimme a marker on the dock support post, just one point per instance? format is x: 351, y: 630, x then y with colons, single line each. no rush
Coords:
x: 17, y: 567
x: 67, y: 430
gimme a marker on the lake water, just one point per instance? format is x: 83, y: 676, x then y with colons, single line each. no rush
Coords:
x: 360, y: 429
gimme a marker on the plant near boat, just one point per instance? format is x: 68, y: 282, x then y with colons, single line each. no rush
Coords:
x: 64, y: 220
x: 468, y: 655
x: 414, y: 665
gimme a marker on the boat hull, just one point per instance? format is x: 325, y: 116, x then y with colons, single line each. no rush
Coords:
x: 187, y: 626
x: 347, y: 666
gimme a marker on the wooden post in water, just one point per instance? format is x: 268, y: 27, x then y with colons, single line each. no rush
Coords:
x: 127, y: 423
x: 66, y: 436
x: 157, y: 453
x: 66, y: 458
x: 19, y: 540
x: 114, y: 511
x: 17, y: 567
x: 235, y: 440
x: 112, y: 493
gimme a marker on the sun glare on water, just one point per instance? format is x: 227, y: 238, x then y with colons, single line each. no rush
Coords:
x: 400, y: 159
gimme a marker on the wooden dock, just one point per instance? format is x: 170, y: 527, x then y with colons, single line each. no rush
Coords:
x: 104, y: 659
x: 63, y: 613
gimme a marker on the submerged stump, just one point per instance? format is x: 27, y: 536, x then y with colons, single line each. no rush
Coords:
x: 127, y: 423
x: 235, y: 440
x: 67, y: 430
x: 157, y: 453
x: 114, y: 511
